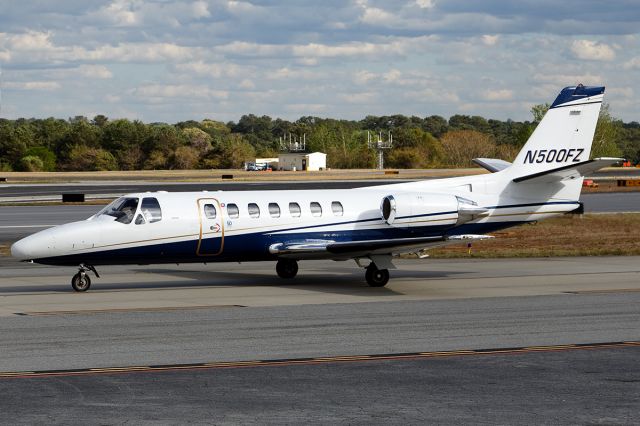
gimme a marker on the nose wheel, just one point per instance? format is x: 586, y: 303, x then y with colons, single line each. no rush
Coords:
x: 81, y: 281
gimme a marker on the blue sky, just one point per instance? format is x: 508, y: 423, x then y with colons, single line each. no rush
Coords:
x: 162, y: 60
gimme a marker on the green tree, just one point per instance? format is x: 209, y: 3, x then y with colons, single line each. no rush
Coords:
x: 538, y: 112
x: 84, y: 158
x: 198, y: 140
x: 46, y: 156
x: 604, y: 140
x: 435, y: 125
x: 31, y: 163
x: 461, y: 146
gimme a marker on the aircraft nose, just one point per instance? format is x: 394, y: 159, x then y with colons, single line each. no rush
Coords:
x: 34, y: 246
x: 20, y: 250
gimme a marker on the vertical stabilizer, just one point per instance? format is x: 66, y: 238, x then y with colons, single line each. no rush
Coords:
x: 564, y: 136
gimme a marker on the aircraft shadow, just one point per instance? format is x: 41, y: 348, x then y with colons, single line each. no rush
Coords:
x: 343, y: 282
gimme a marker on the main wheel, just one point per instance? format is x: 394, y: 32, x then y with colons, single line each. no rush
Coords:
x: 376, y: 277
x: 81, y: 282
x: 287, y: 268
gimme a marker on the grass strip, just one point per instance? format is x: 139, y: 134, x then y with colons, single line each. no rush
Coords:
x: 616, y: 234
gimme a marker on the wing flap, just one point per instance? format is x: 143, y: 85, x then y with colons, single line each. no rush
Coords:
x: 324, y: 249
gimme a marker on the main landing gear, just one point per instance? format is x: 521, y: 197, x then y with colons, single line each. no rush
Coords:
x: 287, y: 268
x: 376, y: 277
x: 81, y: 281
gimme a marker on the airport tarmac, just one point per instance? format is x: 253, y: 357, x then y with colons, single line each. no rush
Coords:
x: 338, y: 345
x: 447, y: 341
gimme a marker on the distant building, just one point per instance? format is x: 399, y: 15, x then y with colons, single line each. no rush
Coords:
x: 313, y: 161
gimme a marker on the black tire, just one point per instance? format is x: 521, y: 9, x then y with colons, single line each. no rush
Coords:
x: 81, y: 282
x: 376, y: 277
x: 287, y: 268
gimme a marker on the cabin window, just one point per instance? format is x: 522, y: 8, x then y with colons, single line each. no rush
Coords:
x: 336, y: 207
x: 316, y: 209
x: 274, y: 209
x: 233, y: 211
x: 294, y: 209
x: 140, y: 219
x: 210, y: 211
x: 123, y: 209
x: 254, y: 210
x: 151, y: 210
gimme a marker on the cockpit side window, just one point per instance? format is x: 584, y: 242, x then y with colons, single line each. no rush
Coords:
x: 123, y: 209
x: 151, y: 210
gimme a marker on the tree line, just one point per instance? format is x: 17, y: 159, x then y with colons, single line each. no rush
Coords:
x: 83, y: 144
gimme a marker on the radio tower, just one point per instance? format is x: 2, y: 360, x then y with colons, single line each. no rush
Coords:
x: 380, y: 145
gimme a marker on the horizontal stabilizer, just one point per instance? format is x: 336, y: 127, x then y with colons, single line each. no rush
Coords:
x: 492, y: 164
x: 571, y: 171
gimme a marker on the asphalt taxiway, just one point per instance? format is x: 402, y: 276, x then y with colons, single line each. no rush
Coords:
x: 482, y: 341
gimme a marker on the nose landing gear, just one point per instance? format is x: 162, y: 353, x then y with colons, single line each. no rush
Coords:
x: 81, y: 281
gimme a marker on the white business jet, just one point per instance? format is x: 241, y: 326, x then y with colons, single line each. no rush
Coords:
x: 369, y: 225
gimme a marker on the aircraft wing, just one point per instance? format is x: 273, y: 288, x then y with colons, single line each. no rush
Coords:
x: 326, y: 249
x: 571, y: 171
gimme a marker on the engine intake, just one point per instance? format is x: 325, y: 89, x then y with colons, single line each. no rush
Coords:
x: 419, y: 209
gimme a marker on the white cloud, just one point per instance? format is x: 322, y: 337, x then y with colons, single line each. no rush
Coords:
x: 179, y: 91
x: 247, y: 84
x: 421, y: 56
x: 200, y: 9
x: 215, y: 70
x: 95, y: 71
x: 592, y: 50
x: 373, y: 15
x: 490, y: 40
x: 364, y: 77
x: 424, y: 4
x: 392, y: 75
x: 26, y: 42
x: 497, y: 95
x: 120, y: 12
x: 633, y: 63
x: 33, y: 85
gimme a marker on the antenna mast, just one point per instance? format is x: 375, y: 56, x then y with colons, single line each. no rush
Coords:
x: 380, y: 145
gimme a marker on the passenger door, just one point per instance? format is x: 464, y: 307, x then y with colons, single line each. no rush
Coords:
x: 211, y: 236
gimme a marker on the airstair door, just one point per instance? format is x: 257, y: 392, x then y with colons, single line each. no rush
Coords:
x: 211, y: 238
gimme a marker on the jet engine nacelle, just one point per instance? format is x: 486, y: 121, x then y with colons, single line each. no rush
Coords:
x: 419, y: 209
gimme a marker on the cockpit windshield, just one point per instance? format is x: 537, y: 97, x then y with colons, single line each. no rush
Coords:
x: 122, y: 209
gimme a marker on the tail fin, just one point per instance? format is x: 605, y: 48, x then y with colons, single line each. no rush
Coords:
x: 564, y: 136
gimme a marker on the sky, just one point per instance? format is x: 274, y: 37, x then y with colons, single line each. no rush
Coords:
x: 169, y: 61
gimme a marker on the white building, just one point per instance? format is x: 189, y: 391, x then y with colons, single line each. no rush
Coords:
x: 302, y: 161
